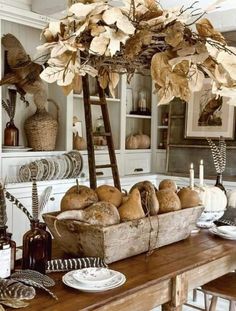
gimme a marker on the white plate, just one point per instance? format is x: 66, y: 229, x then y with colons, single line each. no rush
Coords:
x: 12, y: 149
x: 222, y: 235
x: 70, y: 281
x: 94, y: 275
x: 228, y: 230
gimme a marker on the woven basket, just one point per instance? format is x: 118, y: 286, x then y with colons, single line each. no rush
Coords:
x: 41, y: 130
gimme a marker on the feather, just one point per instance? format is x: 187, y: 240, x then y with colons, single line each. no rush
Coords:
x: 44, y: 197
x: 11, y: 289
x: 37, y: 285
x: 18, y: 204
x: 3, y: 212
x: 222, y: 149
x: 14, y: 303
x: 218, y: 154
x: 35, y: 276
x: 35, y: 201
x: 57, y: 265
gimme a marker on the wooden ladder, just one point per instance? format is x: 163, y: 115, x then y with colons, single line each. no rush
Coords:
x: 90, y: 135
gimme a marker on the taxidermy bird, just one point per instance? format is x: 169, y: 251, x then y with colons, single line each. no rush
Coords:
x: 23, y: 72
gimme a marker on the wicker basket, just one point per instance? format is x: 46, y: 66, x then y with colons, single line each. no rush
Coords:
x: 41, y: 130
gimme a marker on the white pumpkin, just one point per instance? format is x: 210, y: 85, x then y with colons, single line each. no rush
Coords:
x: 231, y: 196
x: 213, y: 198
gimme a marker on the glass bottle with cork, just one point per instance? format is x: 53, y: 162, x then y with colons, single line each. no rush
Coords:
x: 35, y: 241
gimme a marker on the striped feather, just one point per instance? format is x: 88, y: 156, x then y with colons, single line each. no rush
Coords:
x: 222, y: 149
x: 18, y: 204
x: 35, y: 200
x: 216, y: 155
x: 57, y: 265
x: 35, y: 276
x: 37, y: 285
x: 14, y: 289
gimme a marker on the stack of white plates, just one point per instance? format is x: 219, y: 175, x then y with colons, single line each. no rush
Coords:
x: 226, y: 232
x: 94, y: 279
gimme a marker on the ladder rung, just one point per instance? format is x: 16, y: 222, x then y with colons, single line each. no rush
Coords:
x: 97, y: 102
x: 101, y: 134
x: 105, y: 165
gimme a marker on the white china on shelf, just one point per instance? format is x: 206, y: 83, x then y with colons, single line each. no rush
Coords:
x: 69, y: 280
x: 15, y: 149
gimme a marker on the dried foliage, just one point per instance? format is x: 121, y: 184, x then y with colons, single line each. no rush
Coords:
x: 101, y: 40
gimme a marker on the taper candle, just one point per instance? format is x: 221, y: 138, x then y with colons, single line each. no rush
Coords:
x: 201, y: 174
x: 191, y: 176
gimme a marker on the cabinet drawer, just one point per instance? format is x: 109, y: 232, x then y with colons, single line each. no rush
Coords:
x: 100, y: 159
x: 137, y: 163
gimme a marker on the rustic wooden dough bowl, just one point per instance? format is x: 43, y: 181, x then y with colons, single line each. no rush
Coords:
x: 123, y: 240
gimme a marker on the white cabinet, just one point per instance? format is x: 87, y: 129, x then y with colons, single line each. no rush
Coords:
x: 137, y: 162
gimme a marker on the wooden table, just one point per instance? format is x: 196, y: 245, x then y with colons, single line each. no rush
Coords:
x: 164, y: 278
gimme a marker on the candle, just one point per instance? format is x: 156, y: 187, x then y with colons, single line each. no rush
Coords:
x: 191, y: 173
x: 201, y: 174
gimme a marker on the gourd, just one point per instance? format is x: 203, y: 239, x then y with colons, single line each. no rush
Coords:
x: 109, y: 194
x: 78, y: 197
x: 132, y: 208
x: 131, y: 142
x: 212, y: 198
x: 138, y: 141
x: 168, y: 184
x: 231, y: 196
x: 168, y: 201
x: 99, y: 213
x: 188, y: 197
x: 78, y: 142
x: 148, y: 197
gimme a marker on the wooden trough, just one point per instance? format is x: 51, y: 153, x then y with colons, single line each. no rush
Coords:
x: 123, y: 240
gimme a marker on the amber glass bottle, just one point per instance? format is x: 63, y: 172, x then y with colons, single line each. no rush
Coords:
x: 35, y: 248
x: 11, y: 134
x: 43, y: 226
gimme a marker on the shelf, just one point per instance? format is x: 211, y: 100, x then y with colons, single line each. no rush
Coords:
x: 138, y: 150
x: 96, y: 98
x: 31, y: 154
x: 162, y: 127
x: 161, y: 150
x: 137, y: 116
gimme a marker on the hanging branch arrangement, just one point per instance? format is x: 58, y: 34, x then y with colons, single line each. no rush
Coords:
x: 102, y: 40
x: 218, y: 154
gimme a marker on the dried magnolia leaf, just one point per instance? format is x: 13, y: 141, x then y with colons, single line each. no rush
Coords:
x: 165, y: 96
x: 96, y: 30
x: 67, y: 89
x: 82, y: 10
x: 113, y: 81
x: 116, y: 38
x: 134, y: 44
x: 99, y: 44
x: 195, y: 79
x: 195, y: 58
x: 103, y: 78
x: 175, y: 34
x: 160, y: 67
x: 205, y: 29
x: 228, y: 61
x: 77, y: 84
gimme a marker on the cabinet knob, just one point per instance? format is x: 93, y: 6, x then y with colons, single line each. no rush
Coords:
x: 52, y: 199
x: 138, y: 169
x: 99, y: 173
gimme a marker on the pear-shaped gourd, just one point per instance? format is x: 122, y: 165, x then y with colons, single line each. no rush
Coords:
x: 168, y: 184
x: 188, y: 197
x: 78, y: 142
x: 168, y: 201
x: 132, y: 208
